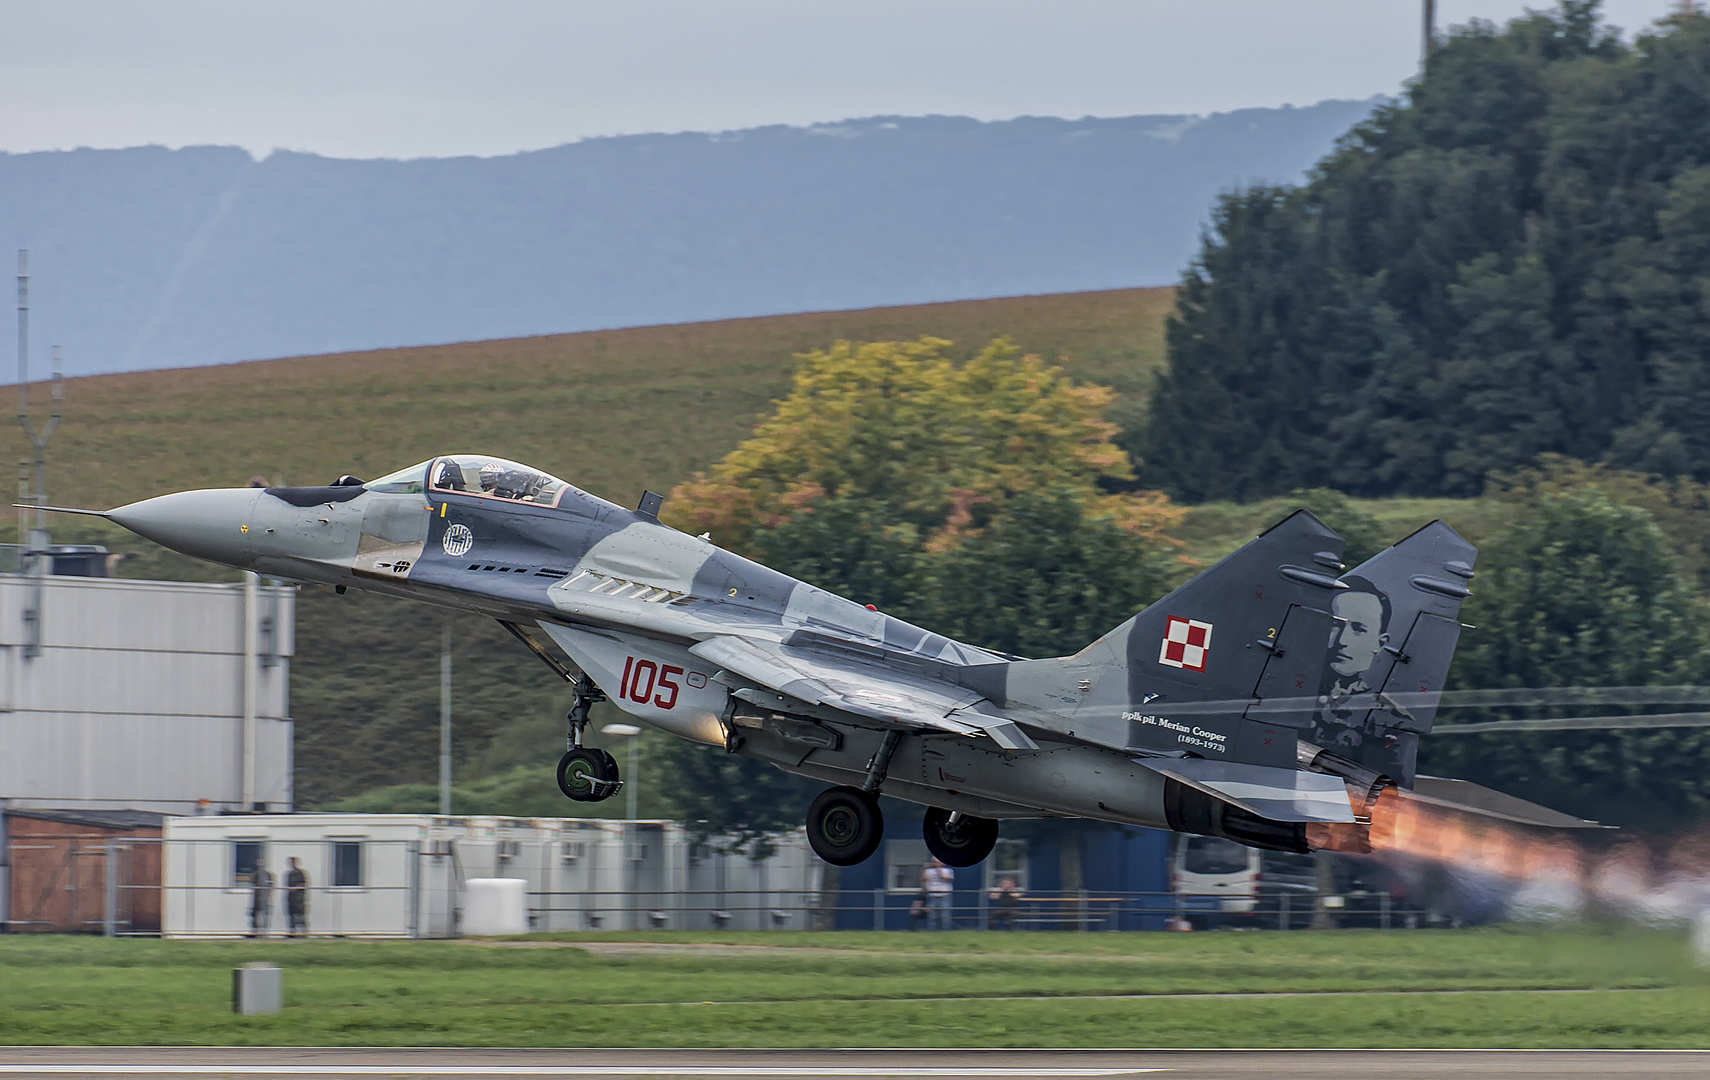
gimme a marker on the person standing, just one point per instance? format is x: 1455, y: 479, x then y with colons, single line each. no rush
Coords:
x: 1006, y: 904
x: 939, y: 883
x: 261, y: 900
x: 297, y: 899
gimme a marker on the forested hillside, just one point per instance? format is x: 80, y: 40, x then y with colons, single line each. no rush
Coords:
x: 1513, y: 260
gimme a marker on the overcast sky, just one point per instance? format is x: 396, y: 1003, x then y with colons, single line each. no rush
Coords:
x: 414, y: 78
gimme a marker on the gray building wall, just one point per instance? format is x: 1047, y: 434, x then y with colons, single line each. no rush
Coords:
x: 136, y: 700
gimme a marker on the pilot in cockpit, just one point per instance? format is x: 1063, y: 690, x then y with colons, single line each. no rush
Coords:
x: 495, y: 478
x: 503, y: 483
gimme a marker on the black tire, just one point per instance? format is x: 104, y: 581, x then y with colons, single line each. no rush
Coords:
x: 844, y: 826
x: 967, y: 844
x: 577, y: 767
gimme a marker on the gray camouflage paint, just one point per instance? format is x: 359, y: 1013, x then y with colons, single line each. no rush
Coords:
x: 740, y: 654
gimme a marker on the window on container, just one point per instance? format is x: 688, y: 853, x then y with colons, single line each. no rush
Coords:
x: 1007, y: 860
x: 347, y: 863
x: 903, y: 862
x: 246, y: 856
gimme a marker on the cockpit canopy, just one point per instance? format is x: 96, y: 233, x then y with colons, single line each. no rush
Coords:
x: 475, y: 474
x: 403, y: 482
x: 495, y: 478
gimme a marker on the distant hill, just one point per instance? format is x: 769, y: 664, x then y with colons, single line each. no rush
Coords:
x: 150, y: 258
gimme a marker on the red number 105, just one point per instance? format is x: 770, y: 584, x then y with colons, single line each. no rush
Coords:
x: 634, y: 688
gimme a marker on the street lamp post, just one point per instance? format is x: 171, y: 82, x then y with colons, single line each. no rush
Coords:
x: 633, y: 734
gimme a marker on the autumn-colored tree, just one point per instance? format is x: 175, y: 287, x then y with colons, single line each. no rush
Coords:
x: 963, y: 496
x: 934, y: 446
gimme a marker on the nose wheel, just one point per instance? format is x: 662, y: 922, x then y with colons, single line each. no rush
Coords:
x: 586, y: 773
x: 844, y: 825
x: 958, y: 839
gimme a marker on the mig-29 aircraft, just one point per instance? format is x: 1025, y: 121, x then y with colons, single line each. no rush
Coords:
x: 1270, y: 700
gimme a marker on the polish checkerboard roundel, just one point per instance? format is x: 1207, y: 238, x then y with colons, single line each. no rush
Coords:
x: 1186, y: 641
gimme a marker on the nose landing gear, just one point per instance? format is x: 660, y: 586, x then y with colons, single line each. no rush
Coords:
x: 586, y: 773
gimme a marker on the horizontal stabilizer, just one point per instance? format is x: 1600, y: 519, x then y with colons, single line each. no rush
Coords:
x: 1470, y: 798
x: 1276, y: 794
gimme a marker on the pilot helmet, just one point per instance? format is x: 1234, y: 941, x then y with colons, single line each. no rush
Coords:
x: 491, y: 473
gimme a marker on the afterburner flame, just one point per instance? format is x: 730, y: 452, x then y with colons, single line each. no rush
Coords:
x: 1403, y: 827
x: 1545, y: 868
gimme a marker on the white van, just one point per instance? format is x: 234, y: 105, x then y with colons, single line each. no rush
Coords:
x: 1222, y: 874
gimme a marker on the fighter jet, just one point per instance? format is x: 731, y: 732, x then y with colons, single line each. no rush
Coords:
x: 1272, y: 700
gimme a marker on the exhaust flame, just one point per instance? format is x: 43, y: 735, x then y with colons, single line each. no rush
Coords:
x: 1548, y: 874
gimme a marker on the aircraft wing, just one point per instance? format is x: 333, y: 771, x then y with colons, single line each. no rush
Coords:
x: 869, y: 690
x: 757, y: 652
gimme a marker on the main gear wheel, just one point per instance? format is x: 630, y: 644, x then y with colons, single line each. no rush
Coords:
x: 844, y: 825
x: 958, y: 840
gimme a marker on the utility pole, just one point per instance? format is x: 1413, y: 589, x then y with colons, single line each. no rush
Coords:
x: 32, y: 560
x: 251, y: 635
x: 1428, y: 31
x: 445, y: 720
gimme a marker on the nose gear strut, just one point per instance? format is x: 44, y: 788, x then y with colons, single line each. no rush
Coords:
x: 587, y: 696
x: 586, y: 773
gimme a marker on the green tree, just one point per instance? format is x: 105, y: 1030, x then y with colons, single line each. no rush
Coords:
x: 1583, y: 591
x: 1509, y: 262
x: 1045, y: 579
x: 733, y: 800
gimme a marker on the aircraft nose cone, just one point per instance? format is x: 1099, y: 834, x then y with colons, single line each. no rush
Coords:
x: 210, y: 524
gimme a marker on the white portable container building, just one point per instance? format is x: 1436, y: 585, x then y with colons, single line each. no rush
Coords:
x: 402, y: 875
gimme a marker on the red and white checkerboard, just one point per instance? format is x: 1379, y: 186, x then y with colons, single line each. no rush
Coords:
x: 1186, y: 641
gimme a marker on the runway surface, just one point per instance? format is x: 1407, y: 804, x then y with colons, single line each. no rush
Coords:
x: 807, y: 1064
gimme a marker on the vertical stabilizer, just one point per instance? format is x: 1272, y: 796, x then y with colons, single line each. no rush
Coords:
x: 1225, y: 667
x: 1390, y: 648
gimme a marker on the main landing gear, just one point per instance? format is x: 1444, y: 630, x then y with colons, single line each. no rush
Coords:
x: 956, y: 839
x: 845, y: 825
x: 586, y: 773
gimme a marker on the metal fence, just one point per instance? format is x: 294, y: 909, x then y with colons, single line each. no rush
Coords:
x: 1089, y: 911
x: 146, y: 886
